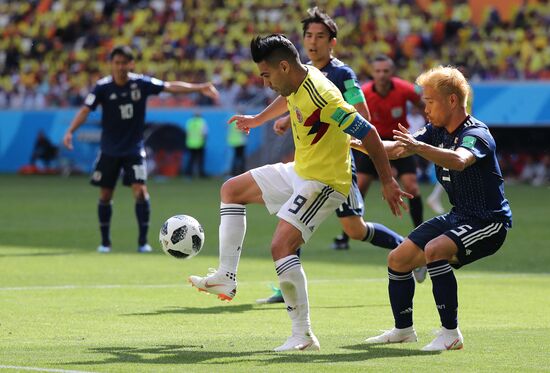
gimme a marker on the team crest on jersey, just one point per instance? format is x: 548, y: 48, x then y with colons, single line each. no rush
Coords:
x: 299, y: 115
x: 90, y: 99
x: 135, y: 94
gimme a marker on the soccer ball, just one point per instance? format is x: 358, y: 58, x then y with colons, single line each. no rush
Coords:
x: 181, y: 236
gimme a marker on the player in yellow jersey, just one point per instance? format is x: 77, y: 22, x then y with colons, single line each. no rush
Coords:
x: 302, y: 193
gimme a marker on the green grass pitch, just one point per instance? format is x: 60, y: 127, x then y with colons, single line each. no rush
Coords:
x: 63, y: 307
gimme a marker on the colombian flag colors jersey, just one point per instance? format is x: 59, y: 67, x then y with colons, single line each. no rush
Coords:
x: 319, y: 114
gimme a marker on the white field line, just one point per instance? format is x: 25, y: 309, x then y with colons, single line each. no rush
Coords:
x: 313, y: 281
x: 37, y: 369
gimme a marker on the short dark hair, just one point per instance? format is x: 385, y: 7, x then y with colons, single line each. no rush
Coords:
x: 122, y: 50
x: 316, y: 15
x: 382, y: 58
x: 273, y: 49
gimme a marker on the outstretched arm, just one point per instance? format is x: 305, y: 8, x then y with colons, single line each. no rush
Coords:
x: 77, y: 121
x: 206, y: 89
x: 245, y: 122
x: 458, y: 159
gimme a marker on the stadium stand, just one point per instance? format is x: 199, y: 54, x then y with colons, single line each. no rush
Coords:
x: 53, y: 51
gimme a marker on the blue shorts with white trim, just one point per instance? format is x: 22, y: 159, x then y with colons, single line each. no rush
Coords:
x: 475, y: 238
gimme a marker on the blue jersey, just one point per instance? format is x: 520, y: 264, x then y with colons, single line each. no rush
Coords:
x: 123, y: 112
x: 344, y: 79
x: 478, y: 190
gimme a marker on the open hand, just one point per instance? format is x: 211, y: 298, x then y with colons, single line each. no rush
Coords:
x: 394, y: 197
x: 244, y: 122
x: 211, y: 91
x: 405, y: 139
x: 68, y: 140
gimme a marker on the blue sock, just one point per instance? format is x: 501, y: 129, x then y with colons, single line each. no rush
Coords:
x: 382, y: 236
x: 401, y: 290
x: 143, y: 210
x: 104, y: 213
x: 445, y: 291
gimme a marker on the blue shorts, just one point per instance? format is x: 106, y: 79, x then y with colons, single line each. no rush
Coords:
x: 108, y: 169
x: 474, y: 238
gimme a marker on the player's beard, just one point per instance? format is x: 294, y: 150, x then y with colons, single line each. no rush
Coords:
x: 284, y: 91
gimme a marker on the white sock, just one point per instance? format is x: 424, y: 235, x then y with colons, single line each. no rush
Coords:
x: 436, y: 192
x: 293, y: 284
x: 232, y: 231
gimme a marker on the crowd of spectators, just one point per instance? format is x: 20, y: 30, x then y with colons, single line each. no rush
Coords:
x: 531, y: 168
x: 53, y: 51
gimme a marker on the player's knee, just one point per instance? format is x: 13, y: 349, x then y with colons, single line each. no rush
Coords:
x: 106, y: 196
x: 399, y: 261
x: 434, y: 252
x: 140, y: 193
x: 229, y: 191
x: 395, y: 260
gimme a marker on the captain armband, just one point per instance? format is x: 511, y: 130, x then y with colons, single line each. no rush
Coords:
x: 359, y: 127
x: 354, y: 96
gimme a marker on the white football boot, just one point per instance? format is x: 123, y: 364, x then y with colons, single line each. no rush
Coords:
x: 300, y: 342
x: 447, y: 339
x: 220, y: 284
x: 103, y: 249
x: 395, y: 336
x: 145, y: 248
x: 420, y: 274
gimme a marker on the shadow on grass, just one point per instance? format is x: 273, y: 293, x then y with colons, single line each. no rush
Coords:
x: 198, y: 354
x: 203, y: 310
x: 231, y: 309
x: 167, y: 354
x: 365, y: 353
x: 23, y: 254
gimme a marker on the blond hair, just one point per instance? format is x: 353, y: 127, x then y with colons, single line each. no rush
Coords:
x: 446, y: 80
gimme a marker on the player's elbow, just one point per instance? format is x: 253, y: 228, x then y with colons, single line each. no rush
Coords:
x: 459, y: 164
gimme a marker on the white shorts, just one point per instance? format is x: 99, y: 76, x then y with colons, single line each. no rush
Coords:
x: 303, y: 203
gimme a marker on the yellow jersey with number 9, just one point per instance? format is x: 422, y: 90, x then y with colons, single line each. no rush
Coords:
x: 319, y: 114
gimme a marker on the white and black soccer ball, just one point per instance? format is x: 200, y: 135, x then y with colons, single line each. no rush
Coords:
x: 181, y: 236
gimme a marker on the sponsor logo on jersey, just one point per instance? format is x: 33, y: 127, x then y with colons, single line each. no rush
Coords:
x: 112, y: 96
